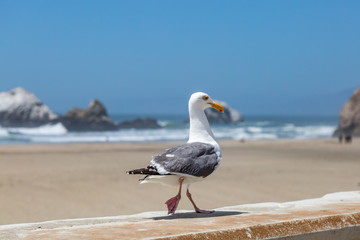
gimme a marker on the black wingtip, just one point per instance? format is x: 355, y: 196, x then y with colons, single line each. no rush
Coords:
x: 150, y: 170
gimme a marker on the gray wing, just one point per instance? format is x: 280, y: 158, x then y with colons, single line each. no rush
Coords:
x: 196, y: 159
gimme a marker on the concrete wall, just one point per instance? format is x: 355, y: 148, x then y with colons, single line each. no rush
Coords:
x: 334, y: 216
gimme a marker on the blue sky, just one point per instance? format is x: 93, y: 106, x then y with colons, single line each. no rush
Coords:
x: 262, y: 57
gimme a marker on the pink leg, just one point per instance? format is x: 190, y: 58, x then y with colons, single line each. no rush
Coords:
x: 198, y: 210
x: 173, y: 202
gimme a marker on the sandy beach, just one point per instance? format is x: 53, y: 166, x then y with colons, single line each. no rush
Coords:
x: 47, y: 182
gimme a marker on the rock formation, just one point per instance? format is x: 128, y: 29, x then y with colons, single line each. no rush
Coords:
x: 230, y: 116
x: 139, y: 124
x: 20, y: 108
x: 349, y: 120
x: 94, y: 118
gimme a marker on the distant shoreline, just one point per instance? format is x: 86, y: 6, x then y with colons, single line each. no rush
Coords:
x: 173, y: 128
x: 226, y: 141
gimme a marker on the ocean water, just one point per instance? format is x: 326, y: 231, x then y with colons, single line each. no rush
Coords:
x: 175, y: 129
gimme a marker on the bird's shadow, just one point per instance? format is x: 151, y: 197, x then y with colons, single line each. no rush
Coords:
x: 198, y: 215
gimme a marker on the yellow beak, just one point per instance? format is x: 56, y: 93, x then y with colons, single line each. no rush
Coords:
x: 217, y: 107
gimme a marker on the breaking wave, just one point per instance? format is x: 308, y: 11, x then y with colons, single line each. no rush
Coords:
x: 173, y: 131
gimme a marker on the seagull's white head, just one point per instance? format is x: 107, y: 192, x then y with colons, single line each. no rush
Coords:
x: 200, y: 100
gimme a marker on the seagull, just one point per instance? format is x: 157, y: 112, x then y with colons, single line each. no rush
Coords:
x: 190, y: 162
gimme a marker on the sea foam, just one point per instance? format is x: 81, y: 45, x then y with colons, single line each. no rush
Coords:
x: 48, y: 129
x: 259, y: 129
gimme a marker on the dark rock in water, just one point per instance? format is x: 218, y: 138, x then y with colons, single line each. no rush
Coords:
x: 229, y: 116
x: 139, y: 124
x: 94, y: 118
x: 20, y: 108
x: 349, y: 120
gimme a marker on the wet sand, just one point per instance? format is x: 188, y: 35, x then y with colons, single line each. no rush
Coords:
x: 47, y: 182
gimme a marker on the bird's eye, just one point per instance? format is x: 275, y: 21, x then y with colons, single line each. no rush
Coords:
x: 205, y: 98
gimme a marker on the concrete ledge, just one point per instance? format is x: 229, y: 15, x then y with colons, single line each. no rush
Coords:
x: 334, y: 216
